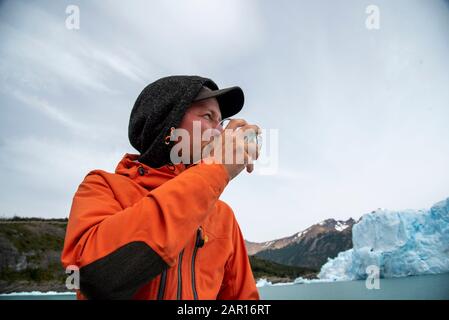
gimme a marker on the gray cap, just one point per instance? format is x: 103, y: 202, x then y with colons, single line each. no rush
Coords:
x: 230, y: 99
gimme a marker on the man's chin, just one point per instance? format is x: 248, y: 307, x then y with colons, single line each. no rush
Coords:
x: 196, y: 157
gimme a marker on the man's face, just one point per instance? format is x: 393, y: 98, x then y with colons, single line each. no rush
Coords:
x: 207, y: 112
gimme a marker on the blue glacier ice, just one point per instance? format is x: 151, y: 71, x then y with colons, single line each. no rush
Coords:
x: 399, y: 243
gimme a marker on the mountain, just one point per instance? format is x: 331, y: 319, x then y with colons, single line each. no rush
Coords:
x: 309, y: 248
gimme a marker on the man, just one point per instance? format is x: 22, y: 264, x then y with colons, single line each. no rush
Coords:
x: 156, y: 229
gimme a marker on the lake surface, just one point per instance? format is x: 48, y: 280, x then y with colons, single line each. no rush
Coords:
x: 417, y: 287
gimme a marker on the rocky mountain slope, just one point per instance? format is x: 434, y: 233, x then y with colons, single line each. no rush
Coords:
x: 309, y: 248
x: 30, y: 253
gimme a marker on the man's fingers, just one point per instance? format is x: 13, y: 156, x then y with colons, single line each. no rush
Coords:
x: 239, y: 146
x: 250, y: 128
x: 249, y: 162
x: 236, y: 123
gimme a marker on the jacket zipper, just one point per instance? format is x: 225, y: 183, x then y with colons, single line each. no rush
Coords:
x: 179, y: 294
x: 160, y: 294
x: 199, y: 242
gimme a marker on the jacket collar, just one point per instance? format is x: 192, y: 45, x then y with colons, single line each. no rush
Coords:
x: 145, y: 175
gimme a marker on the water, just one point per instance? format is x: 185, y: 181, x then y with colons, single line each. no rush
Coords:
x: 38, y: 296
x: 409, y: 288
x: 418, y: 287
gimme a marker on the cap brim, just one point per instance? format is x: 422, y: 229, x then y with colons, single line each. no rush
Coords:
x: 230, y: 100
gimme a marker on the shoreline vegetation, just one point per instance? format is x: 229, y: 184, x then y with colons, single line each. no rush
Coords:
x: 30, y: 250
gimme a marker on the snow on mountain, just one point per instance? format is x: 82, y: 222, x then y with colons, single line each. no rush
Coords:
x: 400, y: 243
x: 300, y: 234
x: 340, y: 226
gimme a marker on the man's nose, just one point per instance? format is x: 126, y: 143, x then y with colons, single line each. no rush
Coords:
x: 219, y: 127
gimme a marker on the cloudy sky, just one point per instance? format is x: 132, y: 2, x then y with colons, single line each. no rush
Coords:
x: 362, y: 115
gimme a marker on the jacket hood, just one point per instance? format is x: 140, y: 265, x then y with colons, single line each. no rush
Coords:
x: 145, y: 175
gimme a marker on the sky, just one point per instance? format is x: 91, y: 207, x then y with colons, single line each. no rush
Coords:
x: 362, y: 114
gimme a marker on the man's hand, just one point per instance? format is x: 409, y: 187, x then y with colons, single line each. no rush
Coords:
x: 232, y: 150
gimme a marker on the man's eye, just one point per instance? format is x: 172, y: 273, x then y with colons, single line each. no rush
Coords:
x: 208, y: 116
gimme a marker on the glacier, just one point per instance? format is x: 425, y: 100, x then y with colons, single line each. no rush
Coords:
x: 263, y: 283
x: 399, y: 243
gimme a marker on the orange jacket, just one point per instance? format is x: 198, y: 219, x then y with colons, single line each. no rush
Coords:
x: 145, y: 233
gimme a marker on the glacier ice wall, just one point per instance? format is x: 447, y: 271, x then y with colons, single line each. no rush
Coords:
x: 403, y: 243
